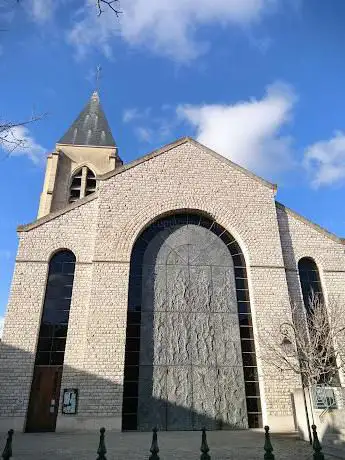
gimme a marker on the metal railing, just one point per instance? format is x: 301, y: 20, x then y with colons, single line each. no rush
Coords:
x: 204, y: 448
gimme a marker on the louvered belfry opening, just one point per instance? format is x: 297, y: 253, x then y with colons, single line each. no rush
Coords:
x: 83, y: 183
x: 190, y: 355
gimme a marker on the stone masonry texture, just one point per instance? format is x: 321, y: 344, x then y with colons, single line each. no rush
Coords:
x: 101, y: 231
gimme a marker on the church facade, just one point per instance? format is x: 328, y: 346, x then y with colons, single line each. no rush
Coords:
x: 144, y: 293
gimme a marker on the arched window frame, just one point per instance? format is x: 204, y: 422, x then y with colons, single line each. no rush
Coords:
x: 51, y: 344
x: 82, y: 183
x: 312, y: 291
x: 310, y: 281
x: 247, y: 336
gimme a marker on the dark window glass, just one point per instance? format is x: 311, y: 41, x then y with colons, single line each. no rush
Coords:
x: 242, y: 295
x: 249, y: 359
x: 131, y: 373
x: 245, y: 319
x: 243, y: 307
x: 42, y: 358
x: 246, y: 332
x: 133, y: 317
x: 45, y: 344
x: 129, y: 422
x: 255, y: 420
x: 253, y: 405
x: 130, y: 405
x: 131, y: 358
x: 53, y: 329
x: 252, y: 388
x: 238, y: 260
x: 250, y: 374
x: 241, y: 283
x: 130, y: 389
x: 240, y: 272
x: 133, y: 344
x: 248, y: 346
x: 133, y: 330
x: 310, y: 281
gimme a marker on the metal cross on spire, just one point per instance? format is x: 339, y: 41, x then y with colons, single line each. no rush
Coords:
x: 98, y: 76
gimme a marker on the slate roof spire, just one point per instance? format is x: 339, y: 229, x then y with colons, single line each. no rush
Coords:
x: 90, y: 127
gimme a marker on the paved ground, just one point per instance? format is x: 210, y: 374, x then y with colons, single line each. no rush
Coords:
x: 224, y: 445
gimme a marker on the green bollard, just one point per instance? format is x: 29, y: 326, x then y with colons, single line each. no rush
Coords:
x: 7, y: 453
x: 318, y: 455
x: 204, y: 446
x: 101, y: 451
x: 154, y: 446
x: 268, y: 446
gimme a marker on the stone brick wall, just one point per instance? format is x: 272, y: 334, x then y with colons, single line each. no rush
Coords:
x: 74, y: 230
x: 301, y: 238
x: 101, y: 231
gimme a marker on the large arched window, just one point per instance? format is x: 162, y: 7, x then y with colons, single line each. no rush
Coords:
x: 57, y: 302
x: 83, y: 183
x: 310, y: 281
x: 190, y: 354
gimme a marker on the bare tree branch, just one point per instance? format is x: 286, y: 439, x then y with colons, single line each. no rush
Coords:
x: 110, y: 4
x: 9, y: 140
x: 309, y: 343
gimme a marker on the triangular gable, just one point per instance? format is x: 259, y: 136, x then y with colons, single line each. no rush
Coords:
x: 177, y: 143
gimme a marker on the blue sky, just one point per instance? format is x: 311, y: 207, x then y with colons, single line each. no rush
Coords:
x: 260, y: 81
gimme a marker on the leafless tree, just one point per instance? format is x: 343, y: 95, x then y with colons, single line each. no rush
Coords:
x: 310, y: 342
x: 9, y: 138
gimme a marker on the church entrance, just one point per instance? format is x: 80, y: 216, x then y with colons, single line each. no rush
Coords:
x: 44, y: 399
x: 190, y: 356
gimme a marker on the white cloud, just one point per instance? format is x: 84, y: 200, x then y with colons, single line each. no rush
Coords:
x: 42, y: 10
x: 325, y: 160
x: 164, y: 26
x: 248, y: 133
x: 143, y: 133
x: 134, y: 113
x: 19, y: 141
x: 2, y: 321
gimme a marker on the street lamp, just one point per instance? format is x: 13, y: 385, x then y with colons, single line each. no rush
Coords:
x: 289, y: 350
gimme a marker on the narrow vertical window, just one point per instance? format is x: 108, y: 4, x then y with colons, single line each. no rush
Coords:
x: 45, y: 389
x: 57, y: 302
x: 310, y: 282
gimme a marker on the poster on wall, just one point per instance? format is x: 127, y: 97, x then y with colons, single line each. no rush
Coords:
x: 70, y: 401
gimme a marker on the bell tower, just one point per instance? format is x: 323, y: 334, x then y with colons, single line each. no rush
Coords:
x: 84, y: 152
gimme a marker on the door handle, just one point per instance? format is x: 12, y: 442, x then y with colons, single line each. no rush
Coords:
x: 52, y: 406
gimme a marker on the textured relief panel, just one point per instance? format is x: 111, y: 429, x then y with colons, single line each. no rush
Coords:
x: 223, y: 290
x: 231, y: 401
x: 227, y: 339
x: 152, y: 397
x: 179, y: 398
x: 203, y: 340
x: 153, y: 288
x: 177, y: 339
x: 200, y: 288
x: 153, y: 338
x: 190, y: 325
x: 205, y: 393
x: 177, y: 287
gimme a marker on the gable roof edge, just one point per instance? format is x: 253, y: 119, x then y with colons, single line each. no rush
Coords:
x: 316, y: 227
x: 55, y: 214
x: 178, y: 142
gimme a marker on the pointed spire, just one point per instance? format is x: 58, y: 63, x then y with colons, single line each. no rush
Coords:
x: 90, y: 127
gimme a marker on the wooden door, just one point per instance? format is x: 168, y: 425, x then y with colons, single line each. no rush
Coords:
x: 44, y: 399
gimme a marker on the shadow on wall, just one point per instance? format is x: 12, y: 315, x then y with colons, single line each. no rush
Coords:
x: 16, y: 364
